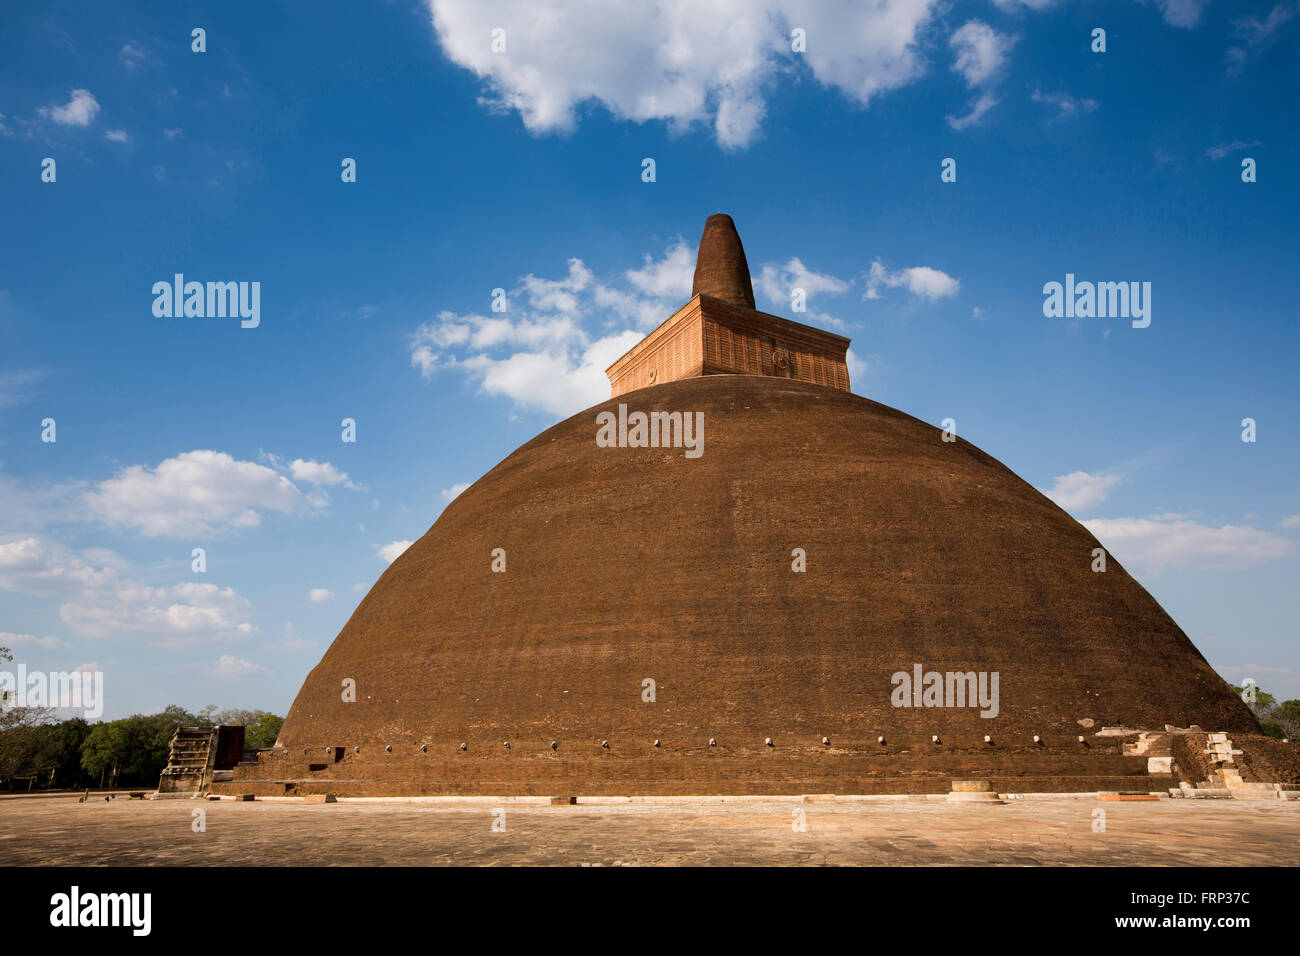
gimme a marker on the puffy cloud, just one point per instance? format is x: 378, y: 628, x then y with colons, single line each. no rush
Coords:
x: 668, y: 278
x: 80, y: 110
x: 117, y: 136
x: 393, y: 550
x: 558, y: 295
x: 179, y: 614
x: 922, y: 281
x: 778, y: 282
x: 454, y: 491
x: 319, y: 473
x: 1080, y: 491
x: 195, y: 493
x: 682, y: 63
x: 432, y: 343
x: 320, y: 595
x: 981, y: 53
x: 1291, y: 521
x: 1153, y: 544
x: 538, y: 353
x: 38, y: 566
x: 542, y: 354
x: 101, y: 602
x: 559, y: 382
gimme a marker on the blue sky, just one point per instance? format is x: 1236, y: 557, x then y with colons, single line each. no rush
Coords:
x: 522, y: 170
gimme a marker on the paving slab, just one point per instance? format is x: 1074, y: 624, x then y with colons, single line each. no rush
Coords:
x: 754, y: 831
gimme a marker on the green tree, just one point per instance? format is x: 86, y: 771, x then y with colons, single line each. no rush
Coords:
x: 133, y: 750
x: 1278, y: 719
x: 103, y: 747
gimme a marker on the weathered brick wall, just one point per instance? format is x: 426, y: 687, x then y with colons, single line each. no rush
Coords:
x: 919, y: 767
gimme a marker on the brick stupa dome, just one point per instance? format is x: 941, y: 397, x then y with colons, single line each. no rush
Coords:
x: 629, y: 564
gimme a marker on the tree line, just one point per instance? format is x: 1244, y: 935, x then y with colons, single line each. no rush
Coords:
x: 38, y: 752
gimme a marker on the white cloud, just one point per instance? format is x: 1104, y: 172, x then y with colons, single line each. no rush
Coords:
x: 777, y: 282
x: 448, y: 494
x: 682, y: 63
x: 1066, y: 105
x: 80, y: 110
x: 1081, y: 491
x: 922, y: 281
x: 319, y: 473
x: 117, y: 136
x: 558, y: 295
x: 645, y: 314
x: 1181, y: 13
x: 981, y: 52
x: 1253, y: 34
x: 540, y: 354
x: 1291, y: 521
x: 231, y: 666
x: 38, y: 566
x: 173, y: 133
x: 320, y: 595
x: 195, y: 493
x: 393, y: 550
x: 858, y: 368
x: 656, y: 290
x: 132, y: 56
x: 559, y: 382
x: 19, y: 640
x: 1153, y: 544
x: 181, y: 613
x: 668, y: 278
x: 982, y: 104
x: 1012, y: 5
x: 99, y: 602
x: 1226, y: 149
x: 981, y: 55
x: 537, y: 353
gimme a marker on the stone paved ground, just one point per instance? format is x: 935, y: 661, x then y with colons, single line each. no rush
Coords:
x: 58, y: 830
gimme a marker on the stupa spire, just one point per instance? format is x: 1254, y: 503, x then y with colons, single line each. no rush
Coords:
x: 720, y: 267
x: 720, y: 332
